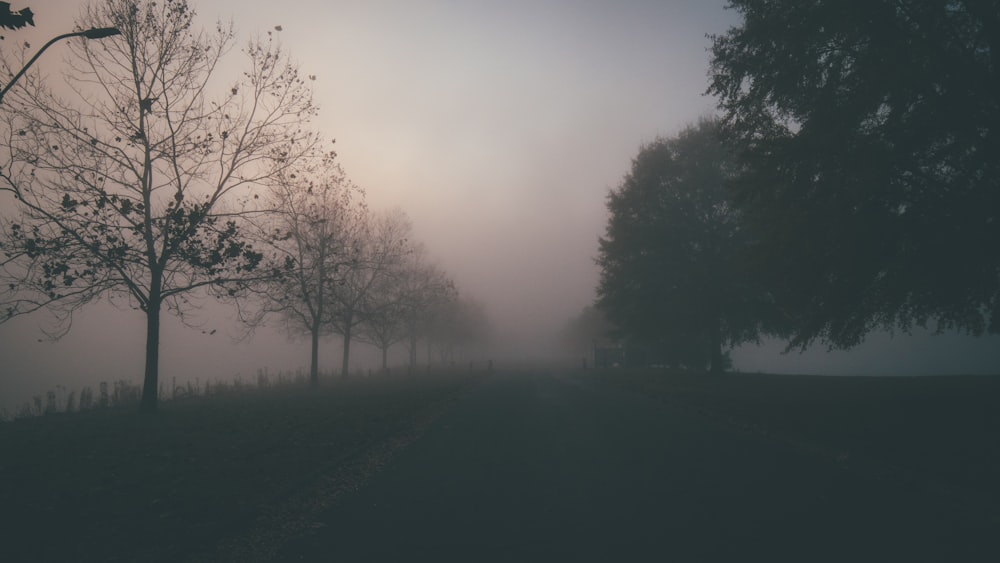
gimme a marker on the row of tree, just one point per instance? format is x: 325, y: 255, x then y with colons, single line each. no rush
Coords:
x: 345, y: 270
x: 151, y: 176
x: 852, y: 183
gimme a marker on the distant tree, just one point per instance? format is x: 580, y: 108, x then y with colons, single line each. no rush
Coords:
x: 383, y: 311
x: 10, y: 19
x: 312, y: 238
x: 457, y: 326
x: 384, y: 314
x: 428, y: 290
x: 132, y: 183
x: 672, y: 274
x: 587, y: 330
x: 383, y: 242
x: 872, y: 133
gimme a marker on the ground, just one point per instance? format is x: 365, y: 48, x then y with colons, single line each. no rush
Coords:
x: 520, y: 465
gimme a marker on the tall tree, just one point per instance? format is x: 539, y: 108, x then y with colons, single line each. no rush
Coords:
x: 312, y: 238
x: 131, y: 182
x: 872, y: 132
x: 672, y: 275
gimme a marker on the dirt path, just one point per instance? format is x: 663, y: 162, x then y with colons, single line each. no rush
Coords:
x: 546, y: 468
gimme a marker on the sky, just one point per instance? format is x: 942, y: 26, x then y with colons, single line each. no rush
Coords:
x: 498, y: 127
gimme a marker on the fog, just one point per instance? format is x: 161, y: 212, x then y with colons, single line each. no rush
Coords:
x: 498, y: 127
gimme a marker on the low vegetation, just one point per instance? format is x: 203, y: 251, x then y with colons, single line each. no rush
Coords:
x: 936, y: 433
x: 105, y: 485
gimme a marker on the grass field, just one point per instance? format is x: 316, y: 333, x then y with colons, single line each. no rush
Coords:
x: 937, y: 433
x: 110, y: 485
x: 229, y: 476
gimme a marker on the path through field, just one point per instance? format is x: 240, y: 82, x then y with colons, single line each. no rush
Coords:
x: 559, y: 468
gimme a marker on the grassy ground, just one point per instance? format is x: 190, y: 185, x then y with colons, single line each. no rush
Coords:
x: 210, y: 476
x: 109, y: 485
x: 938, y: 433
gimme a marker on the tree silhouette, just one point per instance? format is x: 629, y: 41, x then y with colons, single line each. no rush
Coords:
x: 385, y: 310
x: 457, y: 327
x: 313, y: 239
x: 872, y: 133
x: 673, y: 278
x: 589, y: 329
x: 133, y: 183
x: 15, y: 20
x: 382, y: 242
x: 384, y: 314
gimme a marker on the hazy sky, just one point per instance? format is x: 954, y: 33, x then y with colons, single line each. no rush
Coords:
x: 497, y: 126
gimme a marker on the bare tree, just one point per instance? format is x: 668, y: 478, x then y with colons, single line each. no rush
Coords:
x: 131, y: 182
x: 428, y: 289
x: 457, y: 326
x: 313, y: 237
x: 382, y: 244
x: 384, y: 313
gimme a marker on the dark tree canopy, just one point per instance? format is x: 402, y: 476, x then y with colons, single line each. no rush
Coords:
x: 673, y: 278
x: 871, y: 131
x: 11, y: 19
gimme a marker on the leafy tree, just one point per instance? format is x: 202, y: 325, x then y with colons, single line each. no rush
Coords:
x: 872, y: 133
x: 312, y: 239
x: 132, y: 183
x: 11, y: 19
x: 672, y: 275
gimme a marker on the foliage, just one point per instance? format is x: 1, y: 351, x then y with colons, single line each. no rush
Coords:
x: 131, y: 182
x: 871, y: 129
x: 11, y: 19
x: 673, y: 278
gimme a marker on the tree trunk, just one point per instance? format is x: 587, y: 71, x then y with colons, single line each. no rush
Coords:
x: 385, y: 358
x: 346, y: 360
x: 150, y: 381
x: 317, y: 323
x: 314, y: 357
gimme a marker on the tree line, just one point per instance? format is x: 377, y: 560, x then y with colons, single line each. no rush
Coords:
x: 151, y: 178
x: 851, y: 183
